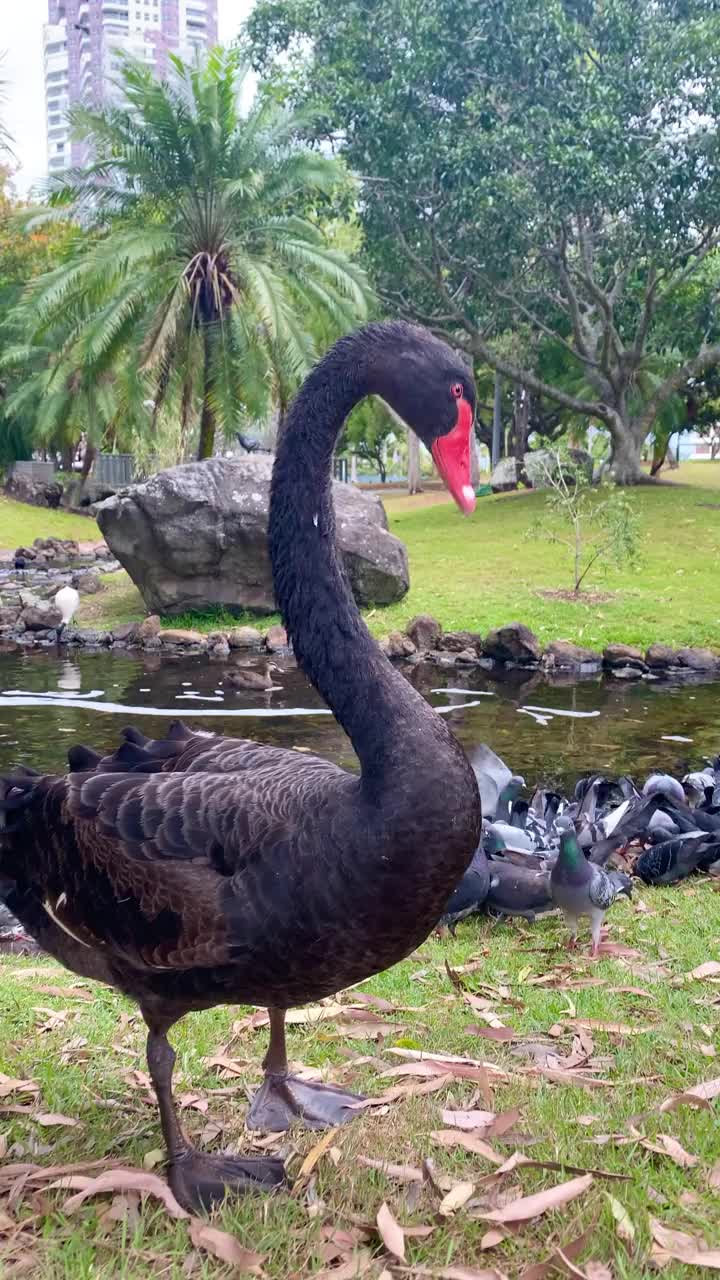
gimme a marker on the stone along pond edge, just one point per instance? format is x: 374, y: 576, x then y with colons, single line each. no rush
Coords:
x: 513, y: 646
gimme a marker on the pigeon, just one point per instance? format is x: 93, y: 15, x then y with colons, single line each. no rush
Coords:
x: 663, y: 784
x: 670, y: 861
x: 580, y: 888
x: 469, y: 895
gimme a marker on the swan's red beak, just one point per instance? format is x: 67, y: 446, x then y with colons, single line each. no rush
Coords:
x: 451, y: 455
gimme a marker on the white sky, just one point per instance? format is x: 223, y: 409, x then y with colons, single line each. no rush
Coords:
x: 23, y: 110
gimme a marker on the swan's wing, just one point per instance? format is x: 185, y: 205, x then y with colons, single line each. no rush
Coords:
x: 167, y: 870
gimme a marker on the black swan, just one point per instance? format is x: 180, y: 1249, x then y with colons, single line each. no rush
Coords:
x: 205, y: 871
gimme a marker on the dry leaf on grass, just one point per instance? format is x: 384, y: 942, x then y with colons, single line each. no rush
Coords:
x: 678, y: 1246
x: 610, y: 1028
x: 148, y: 1184
x: 403, y: 1172
x: 224, y: 1246
x: 700, y: 1095
x: 316, y: 1153
x: 400, y: 1091
x: 528, y: 1207
x: 469, y: 1120
x: 357, y: 1265
x: 558, y: 1261
x: 8, y: 1086
x: 455, y: 1273
x: 623, y: 1222
x: 455, y: 1198
x: 664, y: 1145
x: 390, y: 1232
x: 52, y: 1120
x: 469, y: 1142
x: 65, y: 993
x: 492, y: 1032
x: 714, y: 1177
x: 597, y: 1271
x: 710, y: 969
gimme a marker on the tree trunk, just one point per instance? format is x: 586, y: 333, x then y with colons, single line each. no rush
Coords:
x: 474, y: 461
x: 67, y: 457
x: 497, y: 423
x: 381, y: 466
x: 413, y: 454
x: 88, y: 459
x: 353, y: 468
x: 625, y: 460
x: 660, y: 449
x: 521, y: 424
x: 207, y: 418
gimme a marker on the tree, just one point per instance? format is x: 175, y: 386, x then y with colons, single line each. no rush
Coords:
x: 367, y: 432
x: 200, y: 262
x: 592, y: 526
x: 552, y: 164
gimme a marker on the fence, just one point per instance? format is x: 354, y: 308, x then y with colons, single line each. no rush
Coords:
x: 114, y: 469
x: 41, y: 471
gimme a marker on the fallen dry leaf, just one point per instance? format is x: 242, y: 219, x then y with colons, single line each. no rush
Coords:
x: 714, y: 1177
x: 710, y: 969
x: 681, y: 1247
x: 403, y: 1172
x: 492, y: 1033
x: 65, y: 993
x: 406, y: 1091
x: 51, y: 1120
x: 597, y: 1271
x: 623, y: 1222
x: 611, y: 1028
x: 316, y: 1153
x: 148, y: 1184
x: 390, y: 1232
x: 667, y: 1146
x: 357, y: 1265
x: 492, y: 1238
x: 468, y: 1119
x: 454, y: 1273
x: 456, y: 1198
x: 558, y: 1261
x: 224, y: 1246
x: 8, y: 1086
x: 469, y: 1142
x: 699, y: 1095
x: 528, y: 1207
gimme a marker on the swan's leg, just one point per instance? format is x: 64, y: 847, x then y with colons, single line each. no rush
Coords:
x: 284, y: 1100
x: 199, y: 1181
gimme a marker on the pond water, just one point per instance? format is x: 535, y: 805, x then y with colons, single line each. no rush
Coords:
x: 550, y: 731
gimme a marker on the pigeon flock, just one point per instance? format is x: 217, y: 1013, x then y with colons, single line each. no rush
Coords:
x: 554, y: 852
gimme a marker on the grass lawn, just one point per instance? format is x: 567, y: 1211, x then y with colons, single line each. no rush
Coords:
x: 20, y: 524
x: 480, y: 573
x: 638, y: 1025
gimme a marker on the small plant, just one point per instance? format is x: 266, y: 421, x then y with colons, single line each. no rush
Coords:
x: 599, y: 523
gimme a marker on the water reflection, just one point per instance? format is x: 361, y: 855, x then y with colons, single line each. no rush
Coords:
x: 548, y: 731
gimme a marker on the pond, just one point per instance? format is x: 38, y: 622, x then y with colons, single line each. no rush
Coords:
x: 549, y: 731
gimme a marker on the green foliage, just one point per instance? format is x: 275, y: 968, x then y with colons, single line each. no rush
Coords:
x: 368, y: 430
x: 533, y: 166
x: 202, y: 260
x: 596, y: 526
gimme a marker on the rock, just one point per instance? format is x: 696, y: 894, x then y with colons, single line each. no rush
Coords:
x: 564, y: 655
x: 623, y: 655
x: 424, y: 631
x: 698, y: 659
x: 149, y: 628
x: 126, y: 632
x: 57, y: 549
x: 179, y: 636
x: 661, y: 655
x: 195, y: 536
x: 536, y: 462
x: 39, y: 493
x: 41, y: 617
x: 26, y: 553
x: 467, y: 656
x: 442, y: 659
x: 458, y: 641
x: 397, y: 645
x: 81, y: 496
x: 88, y: 584
x: 626, y: 673
x: 217, y: 644
x: 102, y: 551
x: 88, y: 636
x: 8, y: 615
x: 276, y: 639
x: 505, y: 476
x: 512, y: 643
x: 244, y: 638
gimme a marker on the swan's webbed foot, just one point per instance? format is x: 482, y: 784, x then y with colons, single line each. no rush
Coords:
x: 285, y: 1100
x: 201, y: 1181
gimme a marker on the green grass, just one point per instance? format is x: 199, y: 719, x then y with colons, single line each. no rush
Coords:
x: 20, y: 524
x: 84, y: 1070
x: 480, y: 573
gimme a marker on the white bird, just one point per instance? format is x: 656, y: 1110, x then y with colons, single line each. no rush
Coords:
x: 67, y: 600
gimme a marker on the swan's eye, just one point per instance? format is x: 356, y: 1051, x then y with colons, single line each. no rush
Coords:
x: 457, y: 390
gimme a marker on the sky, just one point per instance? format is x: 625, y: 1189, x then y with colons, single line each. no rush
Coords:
x: 21, y: 68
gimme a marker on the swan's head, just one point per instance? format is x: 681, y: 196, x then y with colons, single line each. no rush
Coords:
x: 431, y: 388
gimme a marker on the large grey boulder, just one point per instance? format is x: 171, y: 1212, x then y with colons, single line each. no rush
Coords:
x: 196, y: 536
x: 505, y: 476
x: 538, y: 462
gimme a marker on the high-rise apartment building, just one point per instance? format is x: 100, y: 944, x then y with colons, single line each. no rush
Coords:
x: 84, y: 41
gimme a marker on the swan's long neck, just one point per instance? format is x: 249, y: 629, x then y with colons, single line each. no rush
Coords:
x: 386, y: 720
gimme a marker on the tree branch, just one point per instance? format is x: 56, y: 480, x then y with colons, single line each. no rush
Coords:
x: 706, y: 357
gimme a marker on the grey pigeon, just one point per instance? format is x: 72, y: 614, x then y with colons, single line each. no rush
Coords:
x: 663, y: 784
x: 580, y: 888
x: 469, y: 895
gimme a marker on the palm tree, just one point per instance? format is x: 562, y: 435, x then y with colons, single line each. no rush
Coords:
x: 201, y: 261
